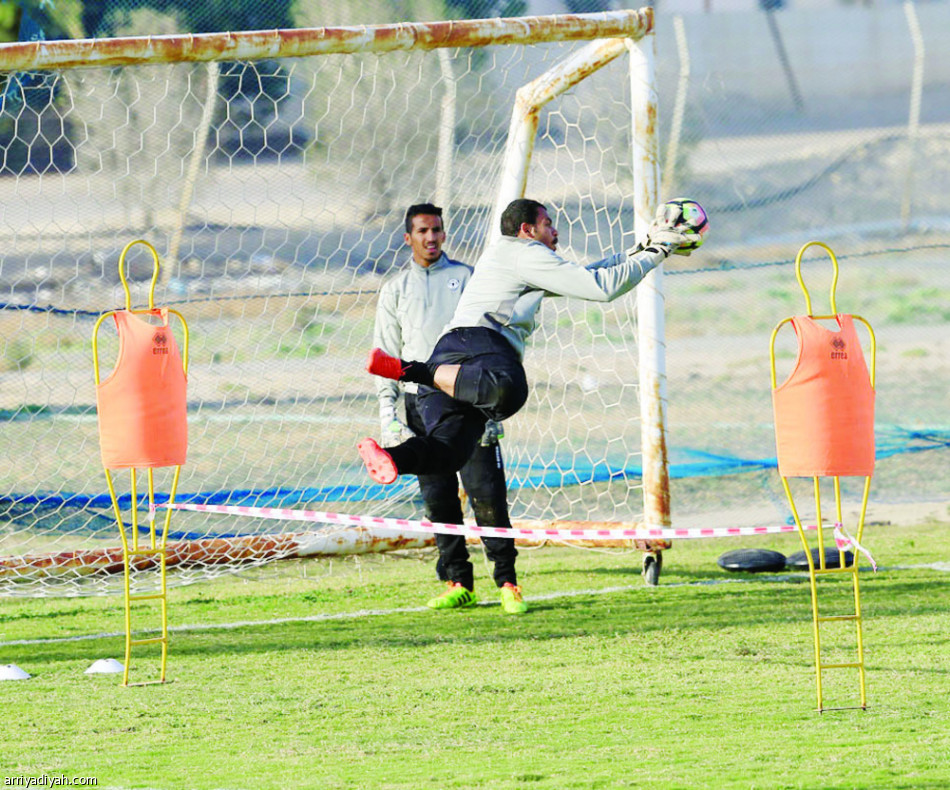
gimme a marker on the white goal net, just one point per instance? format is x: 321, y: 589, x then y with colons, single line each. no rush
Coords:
x: 272, y: 171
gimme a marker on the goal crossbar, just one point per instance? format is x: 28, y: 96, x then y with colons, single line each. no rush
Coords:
x: 265, y: 44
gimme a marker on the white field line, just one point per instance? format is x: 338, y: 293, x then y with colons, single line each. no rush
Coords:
x: 320, y: 618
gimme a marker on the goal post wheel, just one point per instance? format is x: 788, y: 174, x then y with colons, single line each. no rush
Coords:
x: 652, y: 565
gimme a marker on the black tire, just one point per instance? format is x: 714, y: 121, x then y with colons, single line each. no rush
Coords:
x: 799, y: 562
x: 752, y: 561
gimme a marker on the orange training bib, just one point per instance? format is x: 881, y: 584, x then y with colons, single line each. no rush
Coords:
x: 142, y: 403
x: 824, y: 411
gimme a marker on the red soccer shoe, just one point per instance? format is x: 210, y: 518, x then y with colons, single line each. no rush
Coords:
x: 379, y: 463
x: 382, y: 364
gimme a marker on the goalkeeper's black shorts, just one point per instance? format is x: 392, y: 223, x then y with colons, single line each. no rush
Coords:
x: 491, y: 385
x: 491, y: 378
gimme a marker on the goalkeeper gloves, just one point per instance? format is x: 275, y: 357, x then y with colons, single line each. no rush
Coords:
x: 678, y: 241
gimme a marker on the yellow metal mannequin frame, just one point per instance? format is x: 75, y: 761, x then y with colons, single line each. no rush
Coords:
x: 156, y: 544
x: 821, y: 570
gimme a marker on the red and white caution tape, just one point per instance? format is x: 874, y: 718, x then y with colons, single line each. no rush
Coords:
x: 407, y: 525
x: 843, y: 540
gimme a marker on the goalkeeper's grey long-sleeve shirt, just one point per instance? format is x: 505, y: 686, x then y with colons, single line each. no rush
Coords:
x: 413, y: 308
x: 513, y: 275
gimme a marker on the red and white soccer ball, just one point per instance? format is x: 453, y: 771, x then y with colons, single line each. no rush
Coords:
x: 684, y: 214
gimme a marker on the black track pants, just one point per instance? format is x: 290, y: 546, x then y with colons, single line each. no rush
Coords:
x: 483, y: 477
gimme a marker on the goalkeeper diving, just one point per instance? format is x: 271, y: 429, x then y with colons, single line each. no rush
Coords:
x: 475, y: 372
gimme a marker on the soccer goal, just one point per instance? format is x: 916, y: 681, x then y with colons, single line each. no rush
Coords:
x: 271, y: 170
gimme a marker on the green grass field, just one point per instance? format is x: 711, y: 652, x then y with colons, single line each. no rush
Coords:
x: 703, y: 682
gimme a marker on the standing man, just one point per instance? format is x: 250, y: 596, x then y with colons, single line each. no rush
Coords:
x: 413, y: 310
x: 475, y: 372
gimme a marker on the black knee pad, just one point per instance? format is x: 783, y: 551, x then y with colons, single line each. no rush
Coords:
x: 512, y: 396
x: 502, y: 392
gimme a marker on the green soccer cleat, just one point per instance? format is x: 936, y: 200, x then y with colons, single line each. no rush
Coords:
x: 454, y: 597
x: 511, y: 600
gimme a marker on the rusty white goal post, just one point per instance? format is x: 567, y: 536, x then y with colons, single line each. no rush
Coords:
x: 644, y: 159
x: 469, y: 170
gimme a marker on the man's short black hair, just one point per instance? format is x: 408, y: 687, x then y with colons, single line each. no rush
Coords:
x: 422, y: 208
x: 519, y: 211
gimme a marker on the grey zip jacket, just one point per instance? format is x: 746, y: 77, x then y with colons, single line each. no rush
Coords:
x: 413, y: 308
x: 513, y: 275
